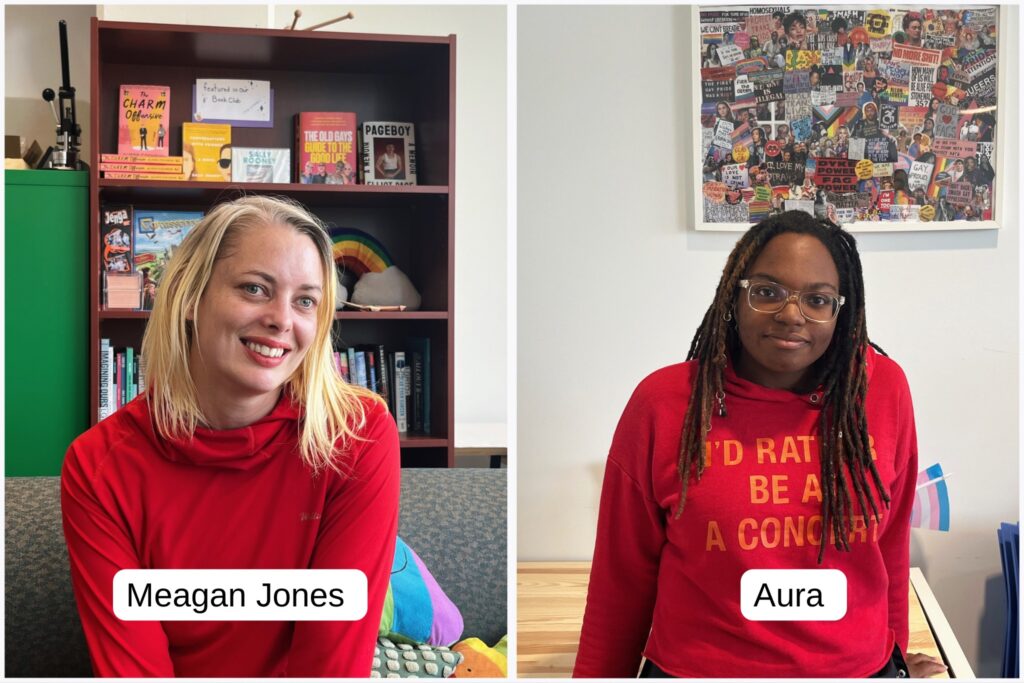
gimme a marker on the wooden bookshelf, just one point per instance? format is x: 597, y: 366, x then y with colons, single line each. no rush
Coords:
x: 380, y: 77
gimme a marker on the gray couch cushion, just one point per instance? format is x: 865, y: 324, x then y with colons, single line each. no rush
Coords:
x: 455, y: 521
x: 42, y: 632
x: 466, y: 508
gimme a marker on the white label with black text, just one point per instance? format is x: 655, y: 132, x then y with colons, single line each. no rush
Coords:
x: 793, y: 594
x: 240, y: 595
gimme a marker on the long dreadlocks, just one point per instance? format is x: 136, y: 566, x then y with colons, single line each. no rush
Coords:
x: 841, y: 372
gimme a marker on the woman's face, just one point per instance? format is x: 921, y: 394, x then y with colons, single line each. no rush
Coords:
x: 796, y: 32
x: 257, y: 317
x: 723, y: 110
x: 914, y: 30
x: 778, y: 349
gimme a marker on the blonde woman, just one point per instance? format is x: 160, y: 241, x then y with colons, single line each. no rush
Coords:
x: 247, y: 451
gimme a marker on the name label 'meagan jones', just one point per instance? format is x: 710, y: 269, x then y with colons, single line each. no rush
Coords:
x: 240, y: 595
x: 793, y: 594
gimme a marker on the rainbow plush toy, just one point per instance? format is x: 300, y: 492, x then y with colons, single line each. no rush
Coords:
x: 358, y: 252
x: 480, y: 661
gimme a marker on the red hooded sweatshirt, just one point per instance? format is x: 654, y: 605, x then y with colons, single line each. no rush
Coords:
x: 227, y: 499
x: 670, y: 587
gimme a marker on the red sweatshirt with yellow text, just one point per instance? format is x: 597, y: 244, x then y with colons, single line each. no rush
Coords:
x: 227, y: 499
x: 670, y: 587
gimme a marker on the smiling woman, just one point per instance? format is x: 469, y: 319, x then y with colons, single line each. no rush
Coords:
x: 786, y: 431
x: 247, y: 451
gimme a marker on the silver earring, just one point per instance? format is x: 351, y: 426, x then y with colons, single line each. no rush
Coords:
x: 727, y: 317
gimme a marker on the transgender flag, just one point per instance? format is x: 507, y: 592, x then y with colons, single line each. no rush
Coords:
x: 931, y: 504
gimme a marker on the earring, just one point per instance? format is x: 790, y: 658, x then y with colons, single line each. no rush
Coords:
x: 727, y: 317
x: 720, y: 397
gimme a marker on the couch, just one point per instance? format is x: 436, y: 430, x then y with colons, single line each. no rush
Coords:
x: 455, y: 519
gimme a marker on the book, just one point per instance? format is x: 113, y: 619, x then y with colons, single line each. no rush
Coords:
x: 389, y: 153
x: 129, y: 373
x: 167, y: 169
x: 112, y: 383
x: 104, y: 405
x: 120, y: 379
x: 401, y: 384
x: 325, y: 147
x: 137, y: 159
x: 361, y: 376
x: 421, y: 346
x: 206, y: 148
x: 116, y: 238
x: 142, y: 374
x: 260, y: 165
x: 117, y: 175
x: 371, y: 372
x: 144, y: 117
x: 416, y: 371
x: 382, y: 364
x: 157, y: 234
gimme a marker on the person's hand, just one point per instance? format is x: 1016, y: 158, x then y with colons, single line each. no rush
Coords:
x: 923, y: 666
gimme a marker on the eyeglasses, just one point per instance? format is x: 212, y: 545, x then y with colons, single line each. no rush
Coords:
x: 769, y: 297
x: 224, y: 163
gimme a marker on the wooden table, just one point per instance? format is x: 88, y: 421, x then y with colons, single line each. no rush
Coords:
x: 552, y: 597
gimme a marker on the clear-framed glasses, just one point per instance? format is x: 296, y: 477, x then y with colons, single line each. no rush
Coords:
x: 770, y: 297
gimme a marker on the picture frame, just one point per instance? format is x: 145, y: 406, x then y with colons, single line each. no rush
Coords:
x: 725, y: 61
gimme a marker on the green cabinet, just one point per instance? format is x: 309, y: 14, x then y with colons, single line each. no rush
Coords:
x: 46, y: 300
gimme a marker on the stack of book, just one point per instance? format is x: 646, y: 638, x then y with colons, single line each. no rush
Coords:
x: 122, y: 377
x: 401, y: 377
x: 134, y: 167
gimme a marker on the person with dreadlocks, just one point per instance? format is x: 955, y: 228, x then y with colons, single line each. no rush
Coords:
x: 785, y: 441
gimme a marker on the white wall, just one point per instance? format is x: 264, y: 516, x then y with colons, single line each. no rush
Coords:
x: 613, y: 281
x: 32, y: 62
x: 480, y: 204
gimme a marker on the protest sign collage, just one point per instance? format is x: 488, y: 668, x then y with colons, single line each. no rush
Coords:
x: 852, y: 114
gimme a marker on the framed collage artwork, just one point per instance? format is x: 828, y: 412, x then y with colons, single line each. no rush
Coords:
x: 879, y: 119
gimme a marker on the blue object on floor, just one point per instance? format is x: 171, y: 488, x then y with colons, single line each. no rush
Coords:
x: 1009, y: 550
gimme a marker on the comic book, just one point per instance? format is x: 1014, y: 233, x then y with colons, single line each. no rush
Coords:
x: 325, y: 147
x: 116, y: 238
x: 389, y: 153
x: 144, y: 119
x: 157, y: 234
x: 206, y: 148
x: 260, y: 165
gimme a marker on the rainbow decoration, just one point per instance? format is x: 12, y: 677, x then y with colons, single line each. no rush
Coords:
x: 931, y: 502
x: 359, y: 252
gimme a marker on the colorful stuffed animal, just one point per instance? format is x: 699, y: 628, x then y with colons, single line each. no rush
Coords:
x: 480, y: 661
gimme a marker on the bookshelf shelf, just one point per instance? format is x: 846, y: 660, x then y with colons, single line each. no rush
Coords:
x: 147, y: 191
x: 379, y: 77
x: 340, y: 315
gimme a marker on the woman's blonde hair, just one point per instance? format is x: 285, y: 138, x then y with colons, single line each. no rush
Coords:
x: 332, y: 409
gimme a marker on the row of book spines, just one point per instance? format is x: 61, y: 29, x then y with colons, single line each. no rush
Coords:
x: 122, y: 377
x: 401, y: 378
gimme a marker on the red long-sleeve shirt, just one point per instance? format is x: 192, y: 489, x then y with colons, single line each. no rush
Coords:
x: 670, y: 588
x: 229, y: 499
